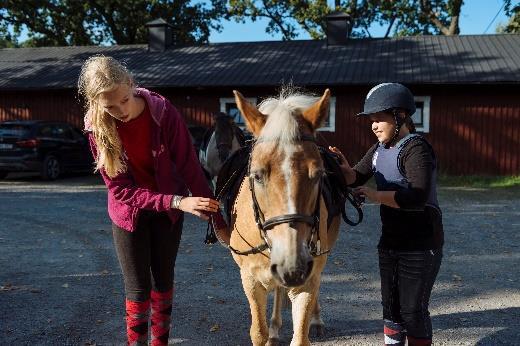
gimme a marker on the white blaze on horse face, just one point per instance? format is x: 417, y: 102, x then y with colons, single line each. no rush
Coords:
x: 287, y: 172
x: 290, y: 249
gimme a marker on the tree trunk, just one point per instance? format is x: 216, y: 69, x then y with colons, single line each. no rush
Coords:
x: 454, y: 12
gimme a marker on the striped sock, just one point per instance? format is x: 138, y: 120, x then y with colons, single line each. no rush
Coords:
x: 161, y: 316
x: 418, y: 341
x: 137, y: 322
x: 395, y: 334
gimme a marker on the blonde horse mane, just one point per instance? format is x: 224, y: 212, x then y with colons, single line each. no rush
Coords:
x: 281, y: 125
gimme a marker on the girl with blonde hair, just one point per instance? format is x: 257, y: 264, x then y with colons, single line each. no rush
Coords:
x: 144, y: 153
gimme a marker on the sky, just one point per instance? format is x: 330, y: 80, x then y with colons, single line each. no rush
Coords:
x: 476, y: 16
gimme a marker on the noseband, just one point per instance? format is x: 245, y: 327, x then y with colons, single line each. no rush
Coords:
x: 265, y: 225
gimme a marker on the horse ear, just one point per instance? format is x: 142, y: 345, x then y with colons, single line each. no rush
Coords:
x: 255, y: 120
x: 318, y: 112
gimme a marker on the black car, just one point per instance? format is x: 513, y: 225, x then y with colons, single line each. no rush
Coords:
x: 47, y: 147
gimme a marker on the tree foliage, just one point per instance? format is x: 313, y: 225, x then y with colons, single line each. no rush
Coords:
x: 513, y: 25
x: 92, y: 22
x: 400, y: 17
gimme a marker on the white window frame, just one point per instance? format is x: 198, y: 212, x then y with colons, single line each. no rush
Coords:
x: 226, y: 100
x: 332, y: 116
x: 425, y: 128
x: 332, y: 111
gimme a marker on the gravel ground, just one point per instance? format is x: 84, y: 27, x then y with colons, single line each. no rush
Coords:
x: 60, y: 282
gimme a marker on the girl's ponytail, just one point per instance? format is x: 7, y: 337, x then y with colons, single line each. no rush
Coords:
x: 409, y: 124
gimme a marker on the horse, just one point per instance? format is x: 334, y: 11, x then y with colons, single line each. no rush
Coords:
x: 219, y: 143
x: 280, y: 236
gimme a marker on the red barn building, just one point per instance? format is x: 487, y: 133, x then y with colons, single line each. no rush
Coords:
x: 467, y: 87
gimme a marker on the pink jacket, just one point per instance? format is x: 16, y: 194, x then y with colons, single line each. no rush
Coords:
x: 177, y: 169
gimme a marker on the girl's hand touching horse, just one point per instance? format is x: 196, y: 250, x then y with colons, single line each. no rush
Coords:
x: 348, y: 172
x: 199, y: 206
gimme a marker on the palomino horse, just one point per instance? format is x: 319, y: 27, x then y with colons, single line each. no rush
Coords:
x: 279, y: 229
x: 221, y: 142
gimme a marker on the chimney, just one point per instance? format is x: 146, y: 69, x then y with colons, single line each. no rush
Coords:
x: 337, y: 28
x: 159, y: 35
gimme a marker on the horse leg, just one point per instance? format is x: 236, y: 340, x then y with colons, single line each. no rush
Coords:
x: 276, y: 317
x: 317, y: 324
x: 257, y: 296
x: 303, y: 303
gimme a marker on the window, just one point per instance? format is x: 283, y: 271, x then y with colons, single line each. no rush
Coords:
x: 330, y: 122
x: 421, y: 117
x: 61, y: 131
x: 45, y: 131
x: 15, y: 130
x: 228, y: 106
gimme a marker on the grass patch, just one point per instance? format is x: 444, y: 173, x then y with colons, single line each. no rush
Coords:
x: 479, y: 181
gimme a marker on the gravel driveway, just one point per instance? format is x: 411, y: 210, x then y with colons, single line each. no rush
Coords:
x: 60, y: 282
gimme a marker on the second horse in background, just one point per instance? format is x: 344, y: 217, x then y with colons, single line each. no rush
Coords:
x: 220, y: 142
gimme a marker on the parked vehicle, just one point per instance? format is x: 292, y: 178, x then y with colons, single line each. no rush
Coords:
x: 47, y: 147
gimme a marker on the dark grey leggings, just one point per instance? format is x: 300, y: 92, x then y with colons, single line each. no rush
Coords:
x: 407, y: 279
x: 147, y: 255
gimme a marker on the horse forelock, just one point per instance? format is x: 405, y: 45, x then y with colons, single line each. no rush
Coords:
x: 282, y: 123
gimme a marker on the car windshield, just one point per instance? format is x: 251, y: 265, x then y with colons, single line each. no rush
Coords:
x: 14, y: 130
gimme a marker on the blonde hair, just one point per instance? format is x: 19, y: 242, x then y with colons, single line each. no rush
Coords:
x: 100, y: 74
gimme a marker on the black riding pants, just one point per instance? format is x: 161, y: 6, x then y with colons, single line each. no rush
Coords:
x: 147, y: 255
x: 407, y: 279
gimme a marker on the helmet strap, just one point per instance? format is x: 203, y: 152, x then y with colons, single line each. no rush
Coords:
x: 398, y: 123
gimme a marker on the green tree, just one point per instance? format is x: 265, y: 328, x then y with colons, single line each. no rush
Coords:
x: 513, y: 25
x: 126, y: 19
x: 7, y: 40
x: 49, y: 23
x: 93, y: 22
x: 400, y: 17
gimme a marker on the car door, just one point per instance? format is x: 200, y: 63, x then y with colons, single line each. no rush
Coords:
x: 82, y: 154
x: 67, y: 152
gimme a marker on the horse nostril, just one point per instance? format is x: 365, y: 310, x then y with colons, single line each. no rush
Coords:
x: 273, y: 270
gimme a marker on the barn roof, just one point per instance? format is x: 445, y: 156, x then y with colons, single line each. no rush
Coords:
x: 472, y: 59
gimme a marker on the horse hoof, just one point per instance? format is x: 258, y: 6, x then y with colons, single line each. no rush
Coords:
x: 273, y: 342
x: 318, y: 330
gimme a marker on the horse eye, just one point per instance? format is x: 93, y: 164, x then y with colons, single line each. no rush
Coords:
x: 258, y: 177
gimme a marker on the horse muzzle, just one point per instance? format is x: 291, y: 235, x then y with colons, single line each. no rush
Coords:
x: 292, y: 275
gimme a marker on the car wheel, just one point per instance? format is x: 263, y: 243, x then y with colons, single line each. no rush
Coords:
x: 51, y: 168
x: 3, y: 174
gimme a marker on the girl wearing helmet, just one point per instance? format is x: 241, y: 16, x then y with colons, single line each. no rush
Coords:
x: 410, y: 248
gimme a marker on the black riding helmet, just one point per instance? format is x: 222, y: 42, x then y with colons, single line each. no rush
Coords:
x: 390, y: 98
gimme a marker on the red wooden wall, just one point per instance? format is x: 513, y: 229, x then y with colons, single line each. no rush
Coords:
x: 474, y: 129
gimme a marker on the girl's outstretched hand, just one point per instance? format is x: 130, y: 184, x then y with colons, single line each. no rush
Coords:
x: 343, y: 163
x: 199, y: 206
x: 348, y: 172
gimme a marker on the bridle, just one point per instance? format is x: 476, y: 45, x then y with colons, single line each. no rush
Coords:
x: 265, y: 225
